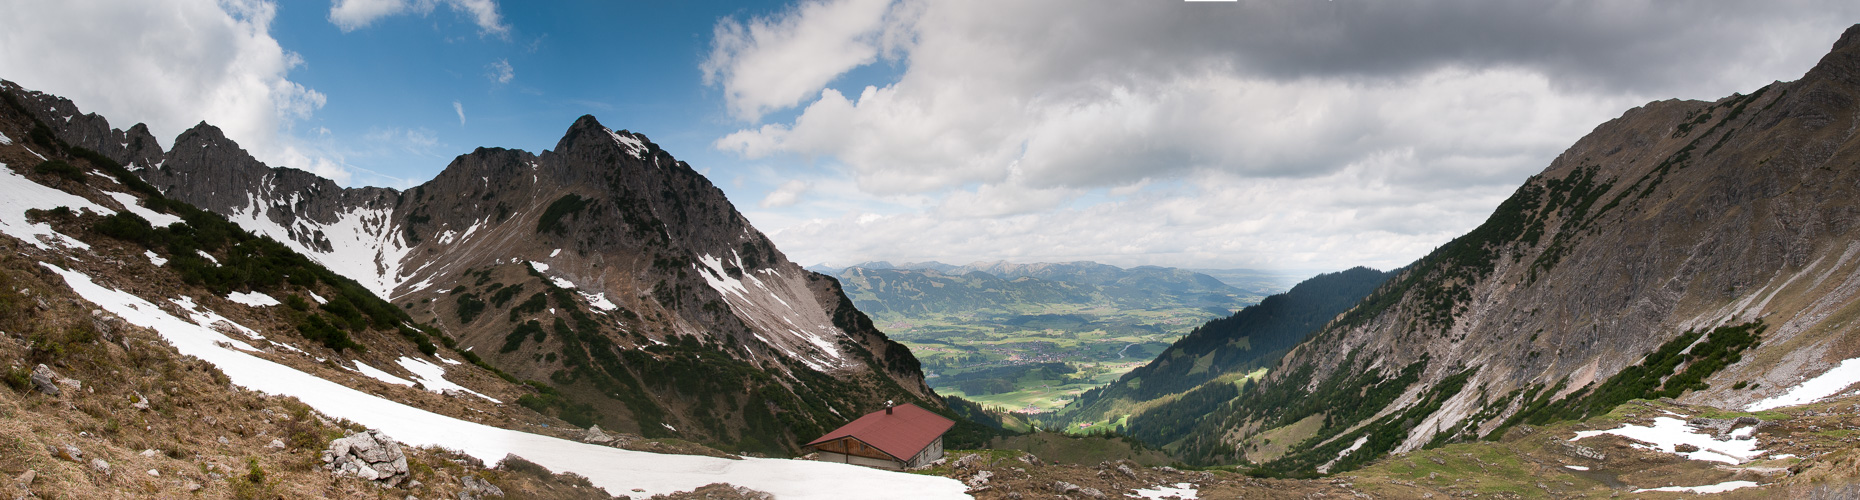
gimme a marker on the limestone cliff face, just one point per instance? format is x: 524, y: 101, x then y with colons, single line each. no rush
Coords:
x: 605, y: 267
x: 1677, y: 216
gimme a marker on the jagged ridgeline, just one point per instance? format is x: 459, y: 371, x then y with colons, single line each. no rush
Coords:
x: 207, y: 250
x: 618, y: 282
x: 1210, y: 362
x: 1692, y: 250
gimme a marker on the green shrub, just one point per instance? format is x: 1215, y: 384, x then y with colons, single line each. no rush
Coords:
x: 469, y: 307
x: 60, y: 169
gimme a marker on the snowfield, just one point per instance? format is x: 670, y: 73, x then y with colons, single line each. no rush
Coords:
x: 1709, y: 488
x: 1668, y: 433
x: 22, y: 194
x: 1827, y: 384
x: 619, y: 471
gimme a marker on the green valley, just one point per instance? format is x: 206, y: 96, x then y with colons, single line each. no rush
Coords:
x: 1030, y: 338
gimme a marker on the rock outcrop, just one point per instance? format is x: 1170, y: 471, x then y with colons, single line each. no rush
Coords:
x: 369, y: 455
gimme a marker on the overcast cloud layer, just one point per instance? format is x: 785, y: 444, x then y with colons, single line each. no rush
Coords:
x: 1288, y: 134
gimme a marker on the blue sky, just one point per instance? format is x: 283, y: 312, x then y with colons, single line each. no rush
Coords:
x: 634, y: 65
x: 1274, y: 134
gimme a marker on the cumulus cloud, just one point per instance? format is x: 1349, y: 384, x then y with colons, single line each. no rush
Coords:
x: 351, y: 15
x: 170, y: 64
x: 774, y: 62
x: 785, y: 195
x: 1032, y: 111
x: 501, y: 72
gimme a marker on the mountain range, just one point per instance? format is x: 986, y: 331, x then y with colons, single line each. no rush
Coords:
x: 1671, y: 299
x: 604, y: 270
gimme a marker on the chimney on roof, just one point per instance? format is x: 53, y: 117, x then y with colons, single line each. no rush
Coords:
x: 888, y: 405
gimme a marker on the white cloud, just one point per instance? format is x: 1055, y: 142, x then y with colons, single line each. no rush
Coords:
x: 351, y: 15
x: 169, y: 64
x: 774, y: 62
x: 1046, y: 129
x: 785, y: 195
x: 501, y: 72
x: 460, y: 108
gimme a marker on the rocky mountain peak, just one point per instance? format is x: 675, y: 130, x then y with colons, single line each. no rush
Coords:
x: 1842, y: 63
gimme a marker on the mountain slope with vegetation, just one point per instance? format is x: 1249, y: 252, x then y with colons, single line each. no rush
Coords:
x: 1702, y: 251
x: 1215, y: 356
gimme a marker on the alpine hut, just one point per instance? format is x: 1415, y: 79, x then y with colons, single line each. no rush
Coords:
x: 900, y: 437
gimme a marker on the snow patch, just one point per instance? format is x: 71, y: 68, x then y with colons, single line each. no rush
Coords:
x: 633, y: 146
x: 22, y: 194
x: 377, y: 374
x: 1576, y: 467
x: 539, y: 267
x: 557, y: 251
x: 599, y: 301
x: 154, y: 259
x: 253, y: 299
x: 155, y: 218
x: 1709, y: 488
x: 364, y: 243
x: 1667, y: 433
x: 433, y: 377
x: 1827, y: 384
x: 203, y: 254
x: 1184, y: 491
x: 4, y: 141
x: 315, y: 297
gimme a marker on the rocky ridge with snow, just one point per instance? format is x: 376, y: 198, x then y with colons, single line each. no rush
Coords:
x: 626, y: 265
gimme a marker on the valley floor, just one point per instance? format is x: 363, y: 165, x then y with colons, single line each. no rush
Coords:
x: 1644, y: 449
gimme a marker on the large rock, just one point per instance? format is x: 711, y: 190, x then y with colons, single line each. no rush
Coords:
x: 369, y: 455
x: 45, y: 380
x: 594, y: 435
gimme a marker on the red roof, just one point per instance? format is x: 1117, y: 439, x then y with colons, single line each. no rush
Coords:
x: 901, y: 433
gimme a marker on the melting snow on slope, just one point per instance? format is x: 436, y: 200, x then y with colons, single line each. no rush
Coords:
x: 155, y: 218
x: 433, y: 377
x: 208, y: 256
x: 618, y: 471
x: 22, y: 194
x: 721, y: 280
x: 1827, y: 384
x: 633, y: 146
x: 364, y: 245
x: 1668, y: 432
x: 253, y: 299
x: 557, y: 251
x: 154, y: 259
x: 599, y: 301
x: 4, y: 141
x: 377, y: 374
x: 1709, y: 488
x: 543, y: 269
x: 1184, y: 491
x: 315, y: 297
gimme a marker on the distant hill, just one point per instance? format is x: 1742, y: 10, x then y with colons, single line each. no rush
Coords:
x: 1031, y: 336
x: 1222, y: 349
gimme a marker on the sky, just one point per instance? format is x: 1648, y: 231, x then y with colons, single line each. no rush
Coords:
x: 1269, y: 134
